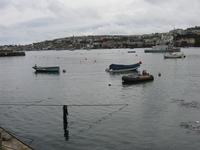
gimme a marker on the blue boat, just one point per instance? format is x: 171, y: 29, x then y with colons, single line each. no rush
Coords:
x: 122, y: 68
x: 46, y: 69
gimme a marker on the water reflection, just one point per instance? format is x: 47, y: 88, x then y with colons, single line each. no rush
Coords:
x: 47, y: 73
x: 66, y: 131
x: 136, y: 72
x: 132, y: 83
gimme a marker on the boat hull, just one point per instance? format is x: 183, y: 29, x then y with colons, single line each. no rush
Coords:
x: 131, y: 52
x: 134, y: 79
x: 174, y: 56
x: 46, y: 69
x: 123, y: 68
x: 162, y: 51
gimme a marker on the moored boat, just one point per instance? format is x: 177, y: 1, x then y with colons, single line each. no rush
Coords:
x: 131, y: 52
x: 137, y: 78
x: 122, y: 68
x: 46, y: 69
x: 162, y: 49
x: 174, y: 55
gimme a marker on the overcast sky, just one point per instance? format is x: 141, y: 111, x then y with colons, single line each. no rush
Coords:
x: 29, y: 21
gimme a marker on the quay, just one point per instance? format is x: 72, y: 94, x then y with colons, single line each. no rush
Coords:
x: 9, y: 142
x: 4, y: 53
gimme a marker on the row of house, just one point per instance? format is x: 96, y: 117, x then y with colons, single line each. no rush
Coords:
x: 111, y: 41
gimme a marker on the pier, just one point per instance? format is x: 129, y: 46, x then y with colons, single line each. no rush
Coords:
x: 9, y: 142
x: 11, y: 53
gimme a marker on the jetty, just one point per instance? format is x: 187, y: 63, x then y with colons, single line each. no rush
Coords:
x: 9, y: 142
x: 4, y: 53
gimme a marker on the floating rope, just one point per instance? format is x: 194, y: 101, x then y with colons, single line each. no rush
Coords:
x: 72, y: 105
x: 11, y: 104
x: 97, y: 122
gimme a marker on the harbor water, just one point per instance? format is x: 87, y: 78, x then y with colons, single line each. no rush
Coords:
x: 103, y: 113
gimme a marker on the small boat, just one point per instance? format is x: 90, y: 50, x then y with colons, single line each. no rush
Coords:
x: 46, y: 69
x: 131, y: 51
x: 137, y: 78
x: 122, y: 68
x: 163, y: 49
x: 174, y: 55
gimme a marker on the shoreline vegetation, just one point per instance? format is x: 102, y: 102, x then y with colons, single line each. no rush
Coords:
x: 180, y: 38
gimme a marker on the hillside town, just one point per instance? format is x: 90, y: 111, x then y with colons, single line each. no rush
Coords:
x: 179, y: 37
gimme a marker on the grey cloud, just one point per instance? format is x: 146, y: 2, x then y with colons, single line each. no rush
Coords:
x: 34, y: 20
x: 4, y: 4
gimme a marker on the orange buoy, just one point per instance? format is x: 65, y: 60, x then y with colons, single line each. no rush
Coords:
x: 159, y: 74
x: 64, y: 70
x: 140, y: 62
x: 136, y: 55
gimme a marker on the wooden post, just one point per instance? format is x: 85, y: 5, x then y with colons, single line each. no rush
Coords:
x: 0, y: 141
x: 65, y: 122
x: 65, y: 114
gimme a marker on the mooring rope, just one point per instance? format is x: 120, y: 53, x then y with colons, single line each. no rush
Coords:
x: 97, y: 122
x: 11, y: 104
x: 31, y: 140
x: 72, y: 105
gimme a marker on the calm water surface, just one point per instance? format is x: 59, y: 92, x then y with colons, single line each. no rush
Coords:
x: 144, y: 116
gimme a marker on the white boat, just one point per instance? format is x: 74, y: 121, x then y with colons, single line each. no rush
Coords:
x: 174, y: 55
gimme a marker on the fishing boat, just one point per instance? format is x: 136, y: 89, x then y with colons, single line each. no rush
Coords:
x: 162, y: 49
x: 137, y: 78
x: 174, y: 55
x: 122, y: 68
x: 46, y: 69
